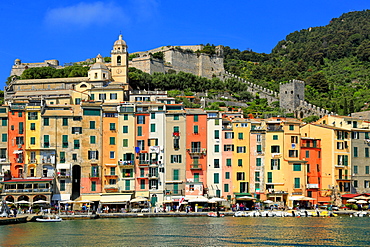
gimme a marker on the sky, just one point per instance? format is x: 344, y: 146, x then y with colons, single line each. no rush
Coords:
x: 72, y: 30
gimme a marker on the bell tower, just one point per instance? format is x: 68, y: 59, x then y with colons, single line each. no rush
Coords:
x: 119, y: 61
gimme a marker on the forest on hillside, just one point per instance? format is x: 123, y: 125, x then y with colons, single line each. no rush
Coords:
x: 333, y: 60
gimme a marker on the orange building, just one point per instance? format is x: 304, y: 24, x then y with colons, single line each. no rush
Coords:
x: 16, y: 136
x: 196, y: 147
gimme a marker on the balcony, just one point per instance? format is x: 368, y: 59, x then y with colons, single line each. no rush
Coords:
x: 153, y: 176
x: 29, y: 191
x: 275, y: 128
x: 111, y: 188
x: 110, y: 175
x: 4, y: 160
x: 197, y: 151
x: 143, y: 163
x: 176, y: 135
x: 126, y: 163
x: 275, y: 155
x: 195, y: 167
x: 94, y: 175
x: 343, y: 177
x: 31, y: 161
x: 64, y: 175
x: 153, y: 164
x: 48, y: 161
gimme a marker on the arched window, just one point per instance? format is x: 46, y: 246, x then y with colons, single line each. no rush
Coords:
x: 119, y: 60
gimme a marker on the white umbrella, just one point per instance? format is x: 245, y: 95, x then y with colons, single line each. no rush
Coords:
x: 7, y: 202
x: 216, y: 199
x: 351, y: 200
x: 84, y: 201
x: 41, y: 201
x: 69, y: 202
x: 361, y: 198
x: 268, y: 201
x: 139, y: 199
x: 361, y: 201
x: 22, y: 202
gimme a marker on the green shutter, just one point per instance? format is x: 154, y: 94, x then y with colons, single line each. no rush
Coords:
x: 175, y: 174
x: 152, y: 127
x: 228, y: 162
x: 32, y: 140
x: 92, y: 125
x: 92, y: 140
x: 345, y: 160
x: 216, y: 178
x: 4, y: 137
x: 217, y: 134
x: 125, y: 143
x: 62, y: 157
x: 258, y: 161
x: 139, y: 131
x: 269, y: 177
x: 91, y: 112
x: 196, y: 129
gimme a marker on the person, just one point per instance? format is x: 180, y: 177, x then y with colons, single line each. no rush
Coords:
x: 15, y: 212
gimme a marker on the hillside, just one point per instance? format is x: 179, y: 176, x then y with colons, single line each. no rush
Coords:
x: 333, y: 60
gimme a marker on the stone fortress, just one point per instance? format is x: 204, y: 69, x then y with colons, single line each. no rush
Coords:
x: 188, y: 59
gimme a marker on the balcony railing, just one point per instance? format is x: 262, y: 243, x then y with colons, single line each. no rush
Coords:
x: 63, y: 175
x: 94, y: 175
x: 27, y: 190
x: 195, y: 166
x: 200, y: 151
x: 312, y: 186
x: 342, y: 177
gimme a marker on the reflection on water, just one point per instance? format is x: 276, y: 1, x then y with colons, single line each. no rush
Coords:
x: 199, y: 231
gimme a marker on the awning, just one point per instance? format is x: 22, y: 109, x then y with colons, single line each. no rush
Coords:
x: 93, y: 197
x: 300, y: 198
x: 110, y: 164
x: 139, y: 199
x: 245, y: 198
x: 17, y: 152
x: 196, y: 198
x: 61, y: 197
x: 116, y: 199
x: 64, y: 166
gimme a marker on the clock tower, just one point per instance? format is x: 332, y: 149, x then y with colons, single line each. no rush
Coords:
x: 119, y: 63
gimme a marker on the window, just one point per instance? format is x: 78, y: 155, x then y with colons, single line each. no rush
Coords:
x: 240, y: 162
x: 257, y: 177
x: 217, y: 121
x: 240, y: 136
x: 228, y: 147
x: 275, y: 149
x: 227, y: 175
x: 275, y: 137
x: 291, y: 127
x: 62, y: 186
x: 196, y: 177
x: 367, y: 135
x: 125, y: 116
x: 258, y: 161
x: 297, y: 167
x: 140, y: 119
x: 367, y: 184
x: 293, y: 153
x: 367, y: 170
x: 113, y: 96
x: 76, y: 130
x: 308, y: 167
x: 241, y: 149
x: 152, y: 115
x: 226, y: 187
x: 228, y: 162
x: 94, y: 171
x: 355, y: 151
x: 355, y: 169
x: 152, y: 127
x: 141, y: 144
x: 125, y: 143
x: 307, y: 154
x: 20, y: 114
x: 367, y: 152
x: 102, y: 96
x: 65, y: 121
x: 139, y: 131
x: 216, y: 178
x: 297, y: 183
x: 93, y: 185
x: 259, y: 138
x: 77, y: 101
x: 294, y: 139
x: 20, y: 127
x: 259, y: 149
x: 176, y: 173
x: 229, y: 135
x: 217, y: 134
x: 176, y: 144
x: 196, y: 129
x: 112, y: 140
x: 240, y: 176
x: 125, y: 129
x: 275, y: 164
x: 46, y: 121
x: 217, y: 148
x: 74, y: 157
x: 19, y: 140
x: 176, y: 117
x: 195, y: 118
x: 355, y: 183
x: 112, y: 126
x: 33, y: 126
x: 62, y: 157
x: 92, y: 139
x: 216, y: 163
x: 355, y: 135
x: 31, y: 116
x: 4, y: 121
x: 65, y: 141
x: 33, y: 140
x: 76, y: 144
x: 176, y: 158
x: 92, y: 125
x: 111, y: 155
x: 342, y: 160
x: 46, y: 141
x: 93, y: 155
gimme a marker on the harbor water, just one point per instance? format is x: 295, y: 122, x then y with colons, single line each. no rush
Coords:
x: 192, y: 231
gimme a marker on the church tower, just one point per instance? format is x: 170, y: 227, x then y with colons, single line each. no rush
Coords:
x: 119, y: 63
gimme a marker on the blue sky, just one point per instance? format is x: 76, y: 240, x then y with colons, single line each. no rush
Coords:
x: 71, y: 31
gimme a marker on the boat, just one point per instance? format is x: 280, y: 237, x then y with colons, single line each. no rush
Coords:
x: 56, y: 219
x: 215, y: 214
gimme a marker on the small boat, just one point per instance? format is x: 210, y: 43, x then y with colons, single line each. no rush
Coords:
x: 241, y: 214
x: 214, y: 214
x: 56, y: 219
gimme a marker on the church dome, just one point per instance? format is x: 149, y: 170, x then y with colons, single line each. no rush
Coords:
x: 120, y: 41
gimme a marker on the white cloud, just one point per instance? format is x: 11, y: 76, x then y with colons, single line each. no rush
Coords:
x: 84, y: 15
